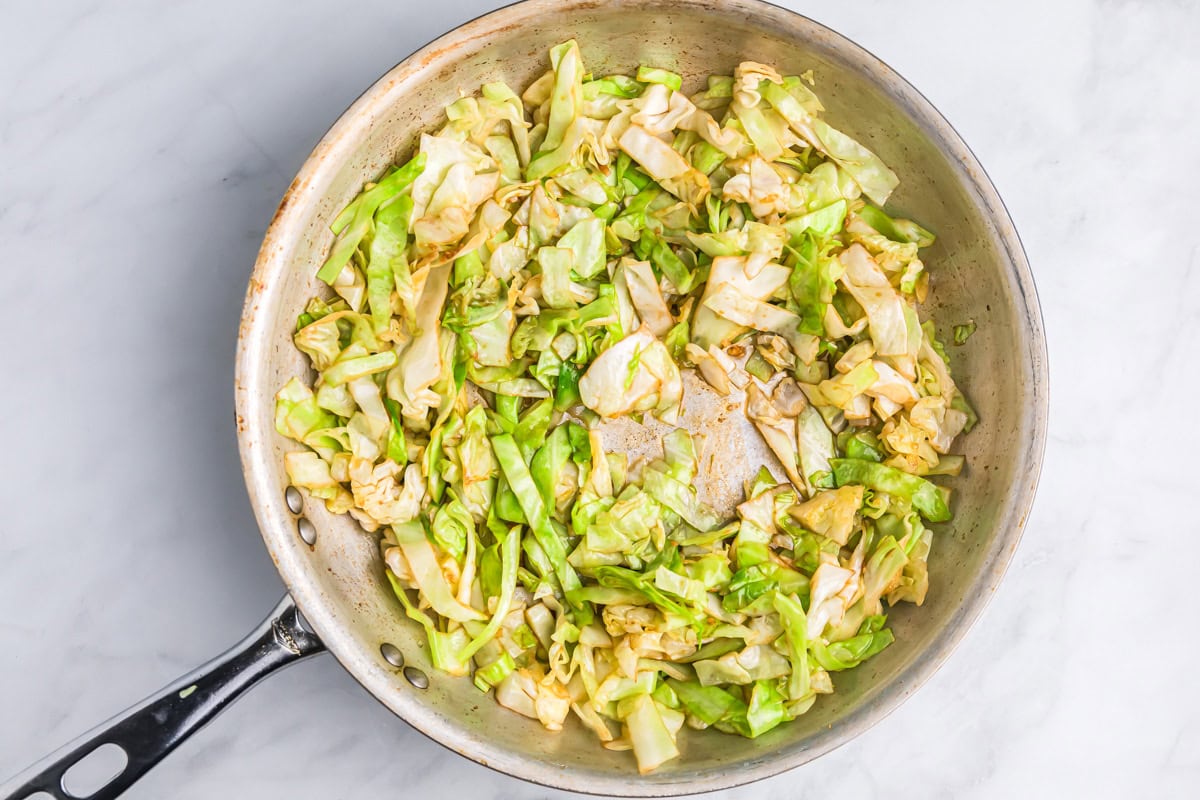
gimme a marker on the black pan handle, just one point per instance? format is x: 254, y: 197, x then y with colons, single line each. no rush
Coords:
x: 153, y: 728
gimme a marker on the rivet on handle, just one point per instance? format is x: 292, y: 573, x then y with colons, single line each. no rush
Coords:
x: 294, y: 500
x: 416, y: 677
x: 308, y: 531
x: 391, y: 654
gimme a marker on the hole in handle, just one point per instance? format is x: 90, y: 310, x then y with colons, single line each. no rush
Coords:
x: 94, y: 771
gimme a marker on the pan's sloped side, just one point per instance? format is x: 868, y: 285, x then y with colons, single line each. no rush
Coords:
x: 980, y: 272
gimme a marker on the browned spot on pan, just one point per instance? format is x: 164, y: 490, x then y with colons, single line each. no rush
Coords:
x: 286, y: 201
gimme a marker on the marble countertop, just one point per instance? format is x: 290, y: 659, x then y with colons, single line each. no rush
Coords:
x: 143, y: 149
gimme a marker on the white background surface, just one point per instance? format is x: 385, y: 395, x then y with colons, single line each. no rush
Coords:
x: 143, y: 148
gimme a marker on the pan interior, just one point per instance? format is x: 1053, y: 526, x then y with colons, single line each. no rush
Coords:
x: 978, y: 270
x: 728, y: 447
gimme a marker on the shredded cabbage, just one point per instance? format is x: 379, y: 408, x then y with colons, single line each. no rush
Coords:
x: 553, y: 259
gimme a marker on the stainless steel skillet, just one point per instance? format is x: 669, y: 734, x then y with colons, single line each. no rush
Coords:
x: 332, y: 569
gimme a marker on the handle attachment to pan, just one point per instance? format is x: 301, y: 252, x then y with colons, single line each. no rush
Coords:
x: 153, y: 728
